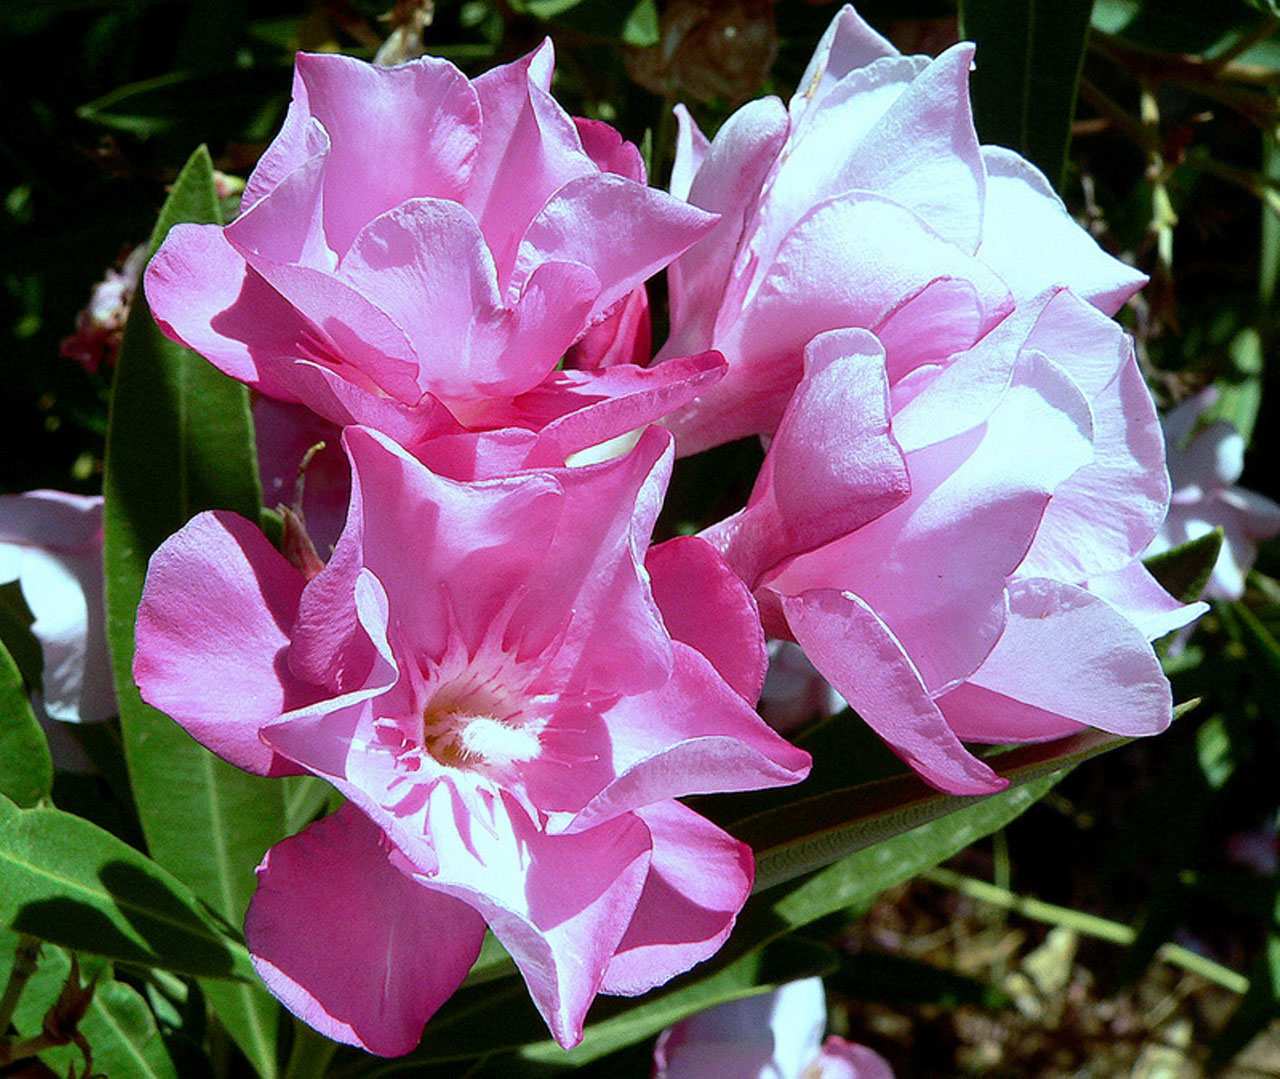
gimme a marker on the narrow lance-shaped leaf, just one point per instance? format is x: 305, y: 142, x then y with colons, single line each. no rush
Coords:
x: 1026, y: 72
x: 814, y: 832
x: 72, y: 883
x: 180, y: 441
x: 26, y: 770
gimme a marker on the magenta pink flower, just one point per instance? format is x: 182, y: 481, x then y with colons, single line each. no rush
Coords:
x: 511, y: 694
x: 956, y: 545
x: 416, y: 250
x: 867, y: 203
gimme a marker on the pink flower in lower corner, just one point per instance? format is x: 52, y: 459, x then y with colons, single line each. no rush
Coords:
x: 775, y: 1035
x: 956, y: 545
x: 417, y: 250
x: 511, y: 694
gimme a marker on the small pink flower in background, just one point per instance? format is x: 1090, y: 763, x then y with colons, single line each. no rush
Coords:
x: 510, y: 693
x: 956, y: 546
x: 775, y: 1035
x: 416, y: 250
x: 1204, y: 464
x: 867, y: 203
x: 51, y: 543
x: 100, y: 326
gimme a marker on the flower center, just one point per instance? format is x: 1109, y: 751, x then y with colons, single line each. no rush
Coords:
x: 472, y: 727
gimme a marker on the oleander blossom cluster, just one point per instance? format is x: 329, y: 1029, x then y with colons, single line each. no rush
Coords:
x: 507, y: 681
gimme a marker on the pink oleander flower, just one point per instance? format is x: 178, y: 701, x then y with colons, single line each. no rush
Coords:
x: 867, y: 203
x: 775, y: 1035
x: 51, y: 543
x: 511, y: 694
x: 417, y: 251
x: 956, y: 546
x: 1204, y: 464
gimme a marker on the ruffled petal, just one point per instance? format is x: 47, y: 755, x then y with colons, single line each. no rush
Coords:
x: 858, y: 654
x: 1031, y: 241
x: 1071, y: 654
x: 560, y: 905
x: 708, y: 607
x: 354, y: 947
x: 694, y: 735
x: 626, y: 232
x: 699, y: 877
x: 212, y: 654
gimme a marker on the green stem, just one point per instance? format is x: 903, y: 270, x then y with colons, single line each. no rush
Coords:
x: 1088, y: 925
x: 310, y: 1054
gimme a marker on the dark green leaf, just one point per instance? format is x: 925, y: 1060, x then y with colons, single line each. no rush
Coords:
x: 225, y: 102
x: 856, y: 880
x: 180, y: 441
x: 71, y: 883
x: 1026, y: 71
x: 118, y: 1025
x: 903, y: 982
x: 1184, y: 570
x: 15, y: 633
x: 814, y: 832
x: 26, y: 769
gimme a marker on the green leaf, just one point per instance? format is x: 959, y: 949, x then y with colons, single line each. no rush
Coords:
x: 1184, y: 570
x: 496, y: 1018
x: 817, y: 831
x: 72, y: 883
x: 122, y: 1036
x: 642, y: 27
x: 26, y: 769
x: 1027, y: 68
x: 16, y: 620
x: 180, y: 441
x: 857, y: 879
x: 1240, y: 385
x: 1258, y: 638
x: 118, y: 1025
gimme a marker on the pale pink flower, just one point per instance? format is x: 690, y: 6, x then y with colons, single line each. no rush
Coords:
x: 1205, y: 461
x: 956, y: 544
x: 510, y: 693
x: 867, y: 203
x: 774, y: 1035
x: 51, y: 543
x: 416, y: 250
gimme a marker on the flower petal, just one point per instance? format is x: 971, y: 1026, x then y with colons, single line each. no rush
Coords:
x: 858, y: 654
x: 699, y: 877
x: 354, y: 947
x: 213, y: 629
